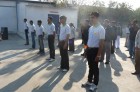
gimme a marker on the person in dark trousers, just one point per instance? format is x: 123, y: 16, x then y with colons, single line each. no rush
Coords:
x: 63, y: 44
x: 95, y: 45
x: 85, y: 35
x: 32, y: 30
x: 40, y: 34
x: 113, y: 36
x: 133, y: 31
x: 26, y: 32
x: 107, y: 47
x: 72, y: 37
x: 51, y: 38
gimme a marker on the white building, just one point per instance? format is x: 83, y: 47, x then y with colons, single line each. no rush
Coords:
x: 12, y: 14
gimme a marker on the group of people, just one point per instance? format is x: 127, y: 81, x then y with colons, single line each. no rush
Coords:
x: 133, y: 44
x: 67, y: 35
x: 98, y: 40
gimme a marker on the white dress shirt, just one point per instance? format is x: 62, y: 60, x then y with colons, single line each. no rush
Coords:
x: 137, y: 40
x: 64, y: 31
x: 50, y: 29
x: 25, y: 25
x: 32, y: 28
x: 95, y: 35
x: 40, y: 30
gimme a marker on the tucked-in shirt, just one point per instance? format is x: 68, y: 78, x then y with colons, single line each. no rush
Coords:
x: 25, y: 25
x: 39, y: 30
x: 32, y: 28
x: 72, y: 35
x: 137, y: 40
x: 64, y: 31
x: 95, y: 35
x: 50, y: 29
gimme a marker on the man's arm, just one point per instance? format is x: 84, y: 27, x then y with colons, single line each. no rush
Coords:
x: 66, y: 41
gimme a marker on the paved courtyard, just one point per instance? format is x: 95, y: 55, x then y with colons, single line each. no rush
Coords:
x: 22, y: 70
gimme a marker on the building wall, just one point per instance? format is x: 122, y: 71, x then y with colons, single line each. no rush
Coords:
x: 8, y: 15
x: 40, y: 12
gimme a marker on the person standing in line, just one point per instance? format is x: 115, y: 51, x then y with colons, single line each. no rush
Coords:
x: 85, y: 36
x: 40, y: 34
x: 137, y: 54
x: 32, y: 30
x: 51, y: 38
x: 58, y: 33
x: 119, y: 31
x: 63, y: 44
x: 72, y: 37
x: 107, y: 46
x: 26, y: 32
x: 127, y: 36
x: 114, y: 37
x: 95, y: 45
x: 133, y: 31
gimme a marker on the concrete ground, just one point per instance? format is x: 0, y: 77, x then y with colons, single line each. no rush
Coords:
x: 22, y: 70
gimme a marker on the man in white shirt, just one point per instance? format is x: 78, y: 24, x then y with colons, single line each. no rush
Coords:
x: 32, y: 30
x: 51, y: 38
x: 72, y: 37
x: 40, y: 34
x: 95, y: 45
x: 26, y: 32
x: 63, y: 43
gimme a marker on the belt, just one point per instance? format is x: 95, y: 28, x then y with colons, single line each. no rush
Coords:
x: 93, y: 47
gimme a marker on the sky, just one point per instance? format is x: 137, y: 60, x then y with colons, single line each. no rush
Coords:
x: 134, y: 3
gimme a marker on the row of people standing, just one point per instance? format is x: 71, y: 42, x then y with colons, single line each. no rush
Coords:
x: 67, y: 34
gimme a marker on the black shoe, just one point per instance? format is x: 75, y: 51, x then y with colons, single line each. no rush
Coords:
x: 100, y: 60
x: 39, y: 52
x: 107, y: 62
x: 82, y: 54
x: 129, y: 57
x: 26, y: 44
x: 135, y: 73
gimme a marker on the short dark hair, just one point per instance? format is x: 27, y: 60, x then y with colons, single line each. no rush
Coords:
x: 39, y: 21
x: 25, y: 19
x: 96, y: 14
x: 31, y: 21
x: 51, y: 18
x: 63, y: 17
x: 135, y: 21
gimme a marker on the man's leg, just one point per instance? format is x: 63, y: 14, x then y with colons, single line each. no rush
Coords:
x: 131, y: 48
x: 52, y: 48
x: 42, y: 44
x: 91, y: 55
x: 49, y: 44
x: 108, y: 51
x: 27, y: 38
x: 33, y: 40
x: 65, y: 58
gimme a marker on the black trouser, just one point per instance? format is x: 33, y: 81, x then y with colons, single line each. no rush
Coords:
x: 71, y: 44
x: 113, y: 46
x: 33, y: 39
x: 51, y: 46
x: 26, y: 35
x: 93, y: 65
x: 41, y: 44
x: 64, y: 56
